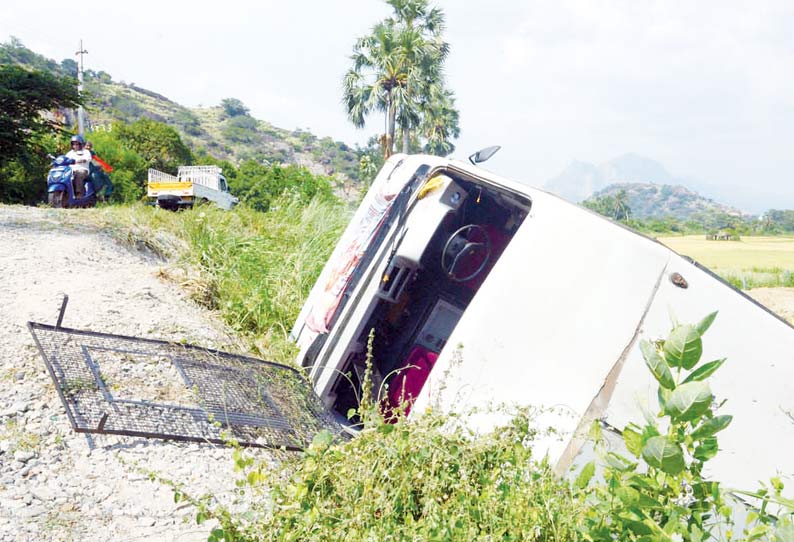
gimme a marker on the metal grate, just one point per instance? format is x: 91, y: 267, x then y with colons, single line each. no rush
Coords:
x: 121, y: 385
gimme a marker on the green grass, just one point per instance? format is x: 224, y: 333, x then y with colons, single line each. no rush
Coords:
x: 255, y: 269
x: 750, y: 263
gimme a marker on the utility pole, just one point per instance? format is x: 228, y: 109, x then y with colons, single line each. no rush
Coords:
x: 80, y: 112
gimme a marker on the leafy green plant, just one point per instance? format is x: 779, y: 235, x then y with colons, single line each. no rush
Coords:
x: 75, y: 386
x: 428, y: 479
x: 658, y: 492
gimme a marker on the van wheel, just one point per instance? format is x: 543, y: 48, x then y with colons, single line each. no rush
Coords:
x: 56, y: 199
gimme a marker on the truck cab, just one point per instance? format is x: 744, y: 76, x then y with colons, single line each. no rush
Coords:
x: 191, y: 185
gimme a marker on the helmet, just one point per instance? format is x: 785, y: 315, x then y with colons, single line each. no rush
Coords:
x: 77, y: 139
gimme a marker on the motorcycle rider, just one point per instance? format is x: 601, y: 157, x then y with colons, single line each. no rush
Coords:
x: 82, y: 161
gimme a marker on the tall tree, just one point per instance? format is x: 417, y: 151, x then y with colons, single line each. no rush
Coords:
x: 398, y: 69
x: 25, y: 98
x: 422, y: 27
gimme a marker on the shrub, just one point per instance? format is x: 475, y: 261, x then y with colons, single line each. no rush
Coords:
x: 259, y: 185
x: 241, y: 129
x: 428, y: 479
x: 232, y: 107
x: 658, y: 491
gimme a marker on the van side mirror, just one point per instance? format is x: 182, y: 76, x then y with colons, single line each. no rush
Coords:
x: 484, y: 154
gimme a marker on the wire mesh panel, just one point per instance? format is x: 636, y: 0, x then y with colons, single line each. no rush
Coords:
x: 140, y: 387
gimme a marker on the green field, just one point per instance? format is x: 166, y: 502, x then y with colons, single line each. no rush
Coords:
x: 753, y: 262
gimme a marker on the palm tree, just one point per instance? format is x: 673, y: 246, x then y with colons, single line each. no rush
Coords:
x: 422, y: 34
x: 378, y: 78
x: 408, y: 12
x: 441, y: 123
x: 396, y: 69
x: 621, y: 209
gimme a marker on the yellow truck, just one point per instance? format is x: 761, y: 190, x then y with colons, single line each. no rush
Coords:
x: 192, y: 184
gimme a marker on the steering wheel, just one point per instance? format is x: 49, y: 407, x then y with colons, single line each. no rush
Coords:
x: 466, y: 253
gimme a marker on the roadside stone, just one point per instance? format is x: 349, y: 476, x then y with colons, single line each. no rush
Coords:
x: 66, y: 506
x: 44, y: 494
x: 23, y: 456
x: 102, y: 492
x: 14, y: 410
x: 11, y: 504
x: 30, y: 512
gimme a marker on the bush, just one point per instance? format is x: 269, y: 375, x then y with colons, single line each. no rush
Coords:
x: 233, y: 107
x: 158, y: 144
x: 129, y: 168
x: 241, y: 129
x: 259, y: 185
x: 429, y: 479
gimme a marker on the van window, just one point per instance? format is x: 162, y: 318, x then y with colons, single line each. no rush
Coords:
x: 222, y: 184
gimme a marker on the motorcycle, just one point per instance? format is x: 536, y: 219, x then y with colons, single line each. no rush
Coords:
x: 60, y: 186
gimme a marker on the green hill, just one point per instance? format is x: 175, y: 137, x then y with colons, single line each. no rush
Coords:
x: 212, y: 130
x: 650, y: 200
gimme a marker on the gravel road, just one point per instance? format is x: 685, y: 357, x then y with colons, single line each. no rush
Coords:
x: 59, y: 485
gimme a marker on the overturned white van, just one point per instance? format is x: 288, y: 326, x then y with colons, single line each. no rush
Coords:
x: 479, y: 290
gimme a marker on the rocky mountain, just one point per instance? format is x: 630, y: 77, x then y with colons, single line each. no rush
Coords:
x: 580, y: 180
x: 232, y: 137
x: 651, y: 200
x: 652, y: 191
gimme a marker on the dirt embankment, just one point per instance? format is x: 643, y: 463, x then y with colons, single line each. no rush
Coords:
x: 780, y: 300
x: 59, y: 485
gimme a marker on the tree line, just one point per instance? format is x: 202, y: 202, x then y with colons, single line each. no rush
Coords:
x: 28, y: 133
x: 616, y: 206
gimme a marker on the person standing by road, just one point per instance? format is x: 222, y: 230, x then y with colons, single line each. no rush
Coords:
x: 99, y: 173
x: 82, y: 161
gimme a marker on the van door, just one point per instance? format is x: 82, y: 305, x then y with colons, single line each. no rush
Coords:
x: 360, y: 239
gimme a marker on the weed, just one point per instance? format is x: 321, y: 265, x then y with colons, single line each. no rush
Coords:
x: 20, y: 439
x: 74, y: 386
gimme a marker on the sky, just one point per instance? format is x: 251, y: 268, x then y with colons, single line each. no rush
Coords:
x: 706, y: 88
